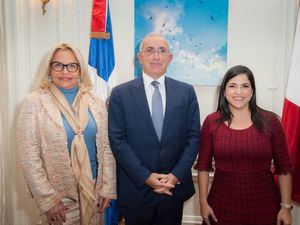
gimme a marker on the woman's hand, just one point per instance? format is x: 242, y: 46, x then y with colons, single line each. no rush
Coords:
x: 206, y: 212
x: 284, y: 217
x: 103, y: 204
x: 56, y: 215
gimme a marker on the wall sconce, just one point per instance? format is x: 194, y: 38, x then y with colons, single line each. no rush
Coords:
x: 44, y: 2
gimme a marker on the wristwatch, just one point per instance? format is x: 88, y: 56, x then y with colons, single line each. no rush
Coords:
x: 286, y: 205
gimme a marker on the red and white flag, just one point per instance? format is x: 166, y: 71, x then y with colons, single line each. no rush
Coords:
x: 291, y: 113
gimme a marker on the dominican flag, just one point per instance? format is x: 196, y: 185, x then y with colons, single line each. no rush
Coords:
x: 291, y: 113
x: 101, y: 70
x: 101, y: 55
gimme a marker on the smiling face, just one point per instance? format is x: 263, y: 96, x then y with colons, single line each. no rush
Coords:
x: 64, y: 79
x: 155, y: 56
x: 238, y: 92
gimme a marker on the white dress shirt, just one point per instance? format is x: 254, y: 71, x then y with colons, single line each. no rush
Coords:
x: 149, y: 89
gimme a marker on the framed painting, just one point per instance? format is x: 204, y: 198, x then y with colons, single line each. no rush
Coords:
x: 196, y: 31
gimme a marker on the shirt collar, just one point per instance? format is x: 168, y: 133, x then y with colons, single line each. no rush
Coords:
x: 148, y: 80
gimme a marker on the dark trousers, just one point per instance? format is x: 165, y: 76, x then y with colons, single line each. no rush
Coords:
x: 165, y: 211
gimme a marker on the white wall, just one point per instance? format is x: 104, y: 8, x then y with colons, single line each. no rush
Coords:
x: 260, y: 34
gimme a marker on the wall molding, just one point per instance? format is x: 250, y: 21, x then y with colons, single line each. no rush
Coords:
x: 191, y: 220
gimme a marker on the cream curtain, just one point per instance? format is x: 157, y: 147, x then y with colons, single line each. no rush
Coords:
x: 2, y: 190
x: 2, y: 68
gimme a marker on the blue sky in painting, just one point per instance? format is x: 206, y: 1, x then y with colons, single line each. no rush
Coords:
x: 196, y: 31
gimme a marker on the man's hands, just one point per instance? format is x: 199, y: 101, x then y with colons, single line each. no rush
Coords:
x: 162, y: 183
x: 56, y: 215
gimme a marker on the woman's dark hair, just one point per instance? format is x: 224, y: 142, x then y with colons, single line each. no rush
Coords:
x: 223, y: 107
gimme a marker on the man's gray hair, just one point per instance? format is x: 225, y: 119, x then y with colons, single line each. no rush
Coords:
x: 152, y: 34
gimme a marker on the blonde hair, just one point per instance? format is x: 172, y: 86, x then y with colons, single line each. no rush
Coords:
x: 44, y: 72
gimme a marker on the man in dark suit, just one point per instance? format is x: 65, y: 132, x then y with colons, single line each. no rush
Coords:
x: 154, y: 127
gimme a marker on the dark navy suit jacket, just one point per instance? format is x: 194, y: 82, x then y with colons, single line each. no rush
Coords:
x: 137, y: 149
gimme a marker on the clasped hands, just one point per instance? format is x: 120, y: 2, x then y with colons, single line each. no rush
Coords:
x: 162, y: 183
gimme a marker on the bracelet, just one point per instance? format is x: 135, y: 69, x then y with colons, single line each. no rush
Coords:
x: 286, y: 206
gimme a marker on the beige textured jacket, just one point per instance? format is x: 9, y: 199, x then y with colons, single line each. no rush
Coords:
x: 44, y: 157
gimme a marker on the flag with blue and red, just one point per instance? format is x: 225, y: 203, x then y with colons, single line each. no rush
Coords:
x: 101, y: 53
x: 101, y: 67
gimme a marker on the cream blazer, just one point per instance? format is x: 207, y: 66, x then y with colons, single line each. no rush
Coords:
x: 43, y: 153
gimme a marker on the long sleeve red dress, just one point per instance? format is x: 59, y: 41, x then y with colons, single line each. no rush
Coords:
x: 243, y: 191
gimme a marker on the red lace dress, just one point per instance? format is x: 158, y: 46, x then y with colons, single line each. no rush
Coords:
x: 243, y: 191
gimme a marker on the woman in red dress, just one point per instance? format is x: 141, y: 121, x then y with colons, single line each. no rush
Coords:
x: 243, y: 139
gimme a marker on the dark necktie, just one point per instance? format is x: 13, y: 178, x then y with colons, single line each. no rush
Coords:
x: 157, y: 109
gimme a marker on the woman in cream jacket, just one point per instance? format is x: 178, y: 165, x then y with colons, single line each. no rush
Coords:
x: 63, y: 145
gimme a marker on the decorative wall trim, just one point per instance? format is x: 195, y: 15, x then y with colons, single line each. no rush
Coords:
x: 191, y: 220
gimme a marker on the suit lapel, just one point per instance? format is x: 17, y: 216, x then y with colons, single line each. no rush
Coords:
x: 170, y: 103
x: 139, y: 96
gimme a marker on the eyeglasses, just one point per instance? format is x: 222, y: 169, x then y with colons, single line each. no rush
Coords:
x: 58, y: 67
x: 160, y: 51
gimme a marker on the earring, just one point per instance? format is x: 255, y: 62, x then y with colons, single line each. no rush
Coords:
x: 49, y: 78
x: 78, y: 80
